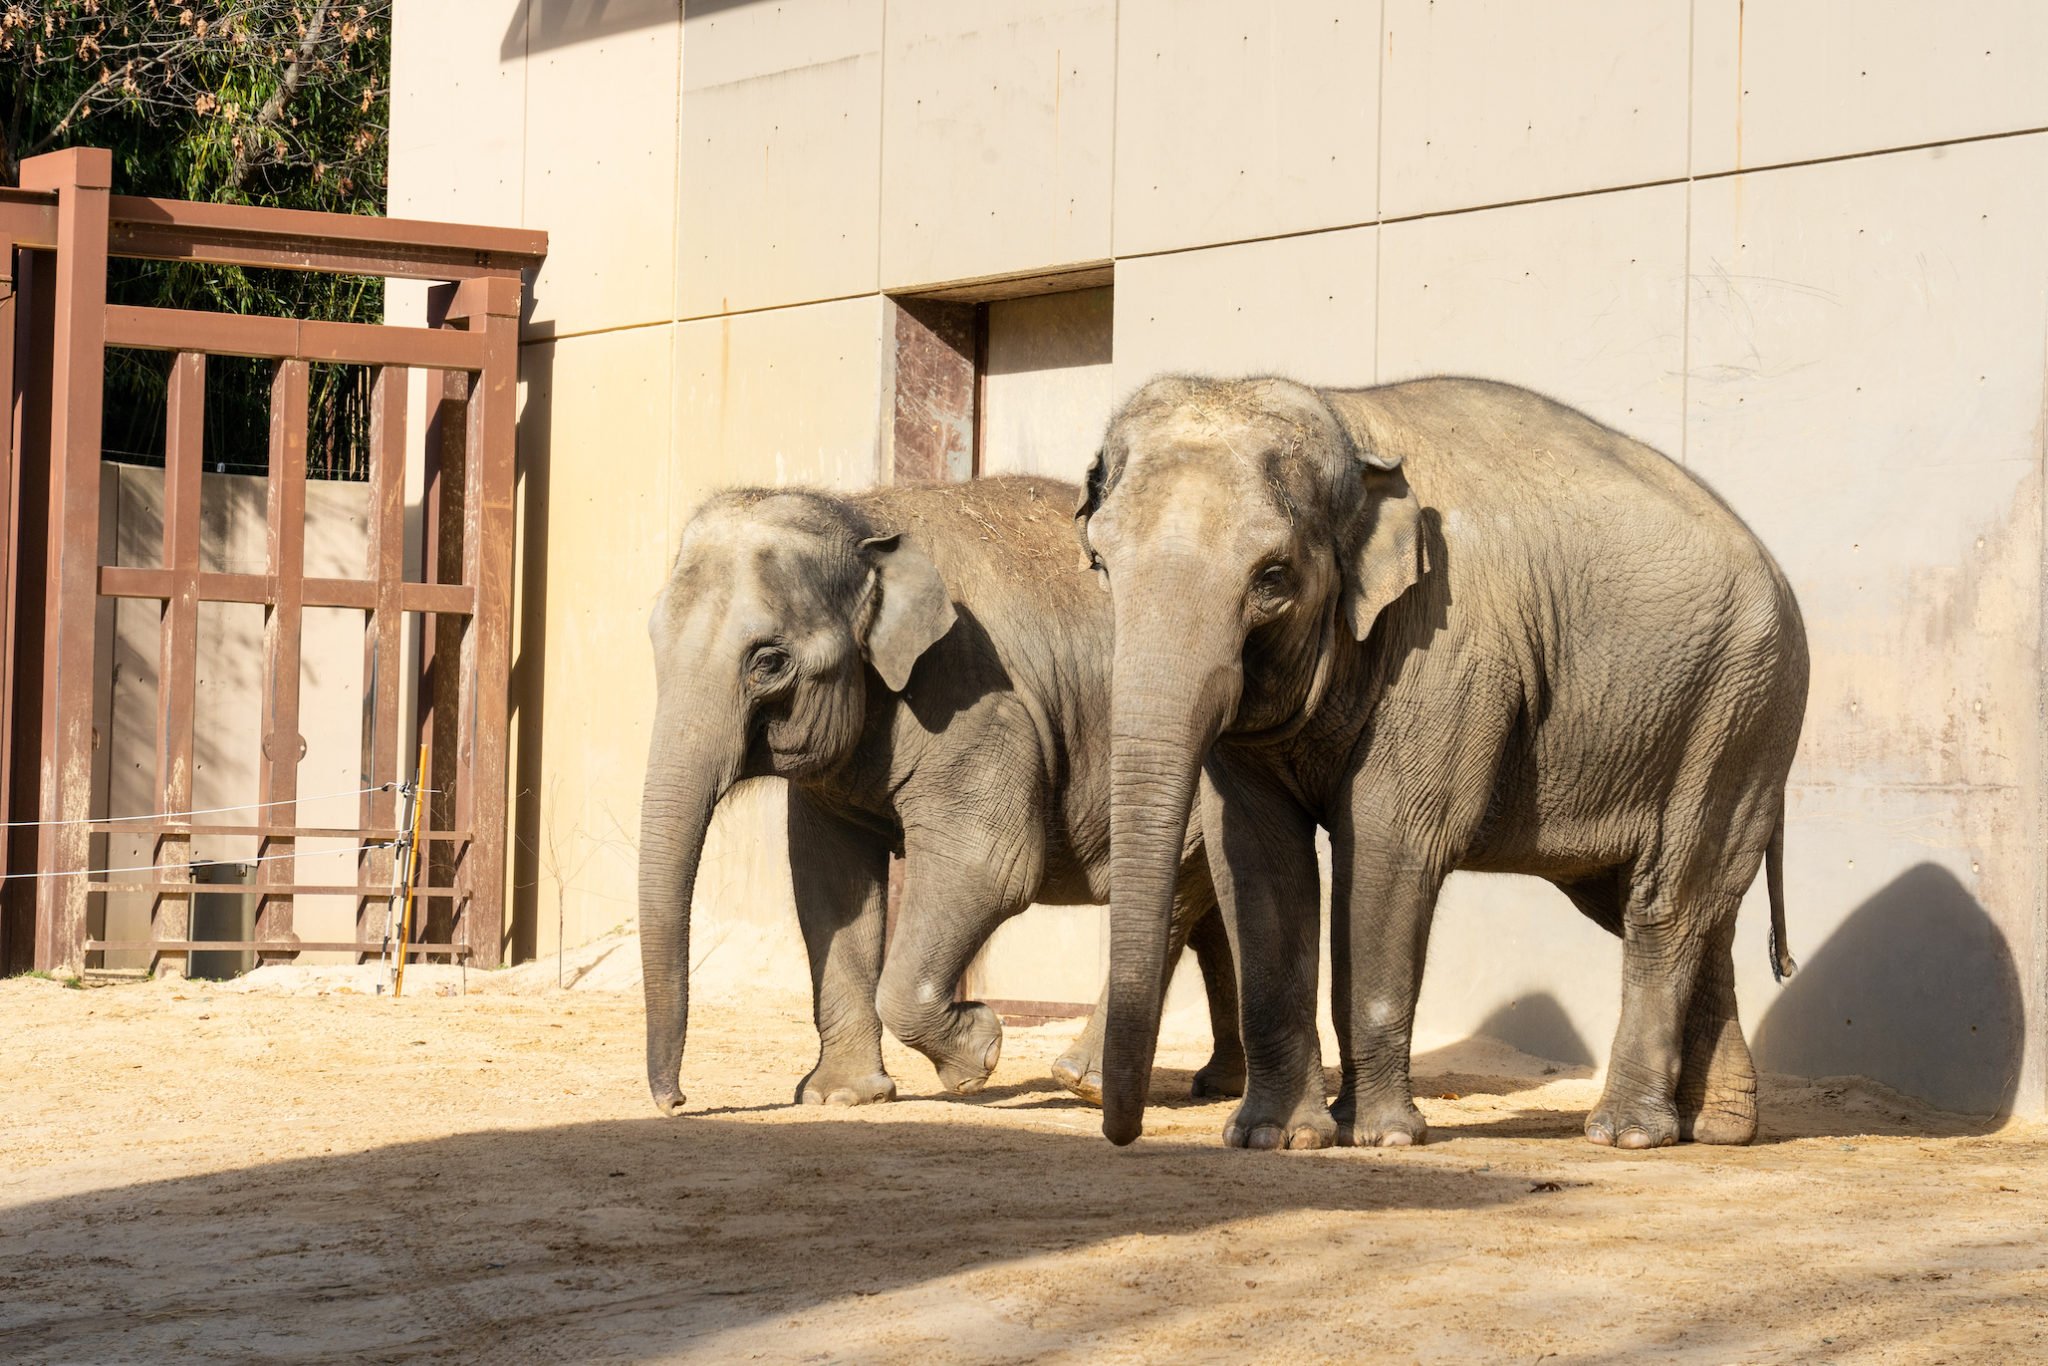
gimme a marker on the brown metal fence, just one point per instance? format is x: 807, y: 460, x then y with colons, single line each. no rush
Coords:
x: 56, y: 236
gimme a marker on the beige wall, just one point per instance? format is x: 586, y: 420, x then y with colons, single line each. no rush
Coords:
x: 1795, y: 246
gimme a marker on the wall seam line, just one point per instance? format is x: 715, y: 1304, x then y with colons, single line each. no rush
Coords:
x: 1685, y: 250
x: 1379, y: 180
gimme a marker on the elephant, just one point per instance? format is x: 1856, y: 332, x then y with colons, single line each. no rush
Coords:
x: 1459, y: 626
x: 930, y: 674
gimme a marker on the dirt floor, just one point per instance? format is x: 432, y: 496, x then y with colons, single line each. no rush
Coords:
x: 188, y: 1170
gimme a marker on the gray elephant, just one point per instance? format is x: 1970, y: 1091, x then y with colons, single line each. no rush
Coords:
x: 930, y: 673
x: 1461, y: 627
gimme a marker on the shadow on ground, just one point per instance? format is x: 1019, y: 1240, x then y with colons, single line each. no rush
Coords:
x: 619, y: 1237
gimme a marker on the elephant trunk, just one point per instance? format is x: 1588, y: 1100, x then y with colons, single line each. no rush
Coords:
x: 1172, y: 691
x: 694, y: 760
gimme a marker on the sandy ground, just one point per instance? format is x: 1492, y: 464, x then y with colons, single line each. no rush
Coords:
x: 192, y: 1171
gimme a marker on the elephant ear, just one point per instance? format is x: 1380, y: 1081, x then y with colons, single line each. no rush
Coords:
x: 914, y: 612
x: 1386, y: 554
x: 1091, y: 498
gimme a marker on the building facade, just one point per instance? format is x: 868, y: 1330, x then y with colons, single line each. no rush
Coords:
x: 1795, y: 246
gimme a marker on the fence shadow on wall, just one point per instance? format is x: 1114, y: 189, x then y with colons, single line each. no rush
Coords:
x: 1916, y: 989
x: 526, y: 801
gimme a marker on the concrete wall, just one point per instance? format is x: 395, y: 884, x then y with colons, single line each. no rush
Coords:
x: 1794, y: 245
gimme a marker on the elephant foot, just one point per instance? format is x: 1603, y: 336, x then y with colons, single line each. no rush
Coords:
x: 1727, y: 1120
x: 970, y: 1058
x: 1392, y: 1122
x: 1637, y: 1122
x: 1261, y: 1124
x: 1080, y: 1071
x: 845, y: 1086
x: 1220, y: 1078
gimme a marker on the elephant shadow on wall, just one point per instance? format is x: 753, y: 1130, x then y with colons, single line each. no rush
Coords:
x: 1917, y: 989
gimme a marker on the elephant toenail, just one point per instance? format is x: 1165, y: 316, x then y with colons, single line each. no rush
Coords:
x: 1397, y: 1139
x: 1598, y: 1134
x: 1304, y: 1140
x: 1266, y: 1136
x: 1633, y: 1138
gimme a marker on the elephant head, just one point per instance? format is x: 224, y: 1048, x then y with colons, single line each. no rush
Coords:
x: 1245, y: 536
x: 783, y: 610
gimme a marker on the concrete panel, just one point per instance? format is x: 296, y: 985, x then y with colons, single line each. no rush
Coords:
x: 997, y: 134
x: 601, y: 144
x: 458, y: 113
x: 594, y: 458
x: 787, y: 396
x: 782, y: 154
x: 1297, y: 306
x: 1493, y: 100
x: 1780, y: 83
x: 1047, y: 390
x: 1867, y: 361
x: 1583, y: 299
x: 1295, y: 146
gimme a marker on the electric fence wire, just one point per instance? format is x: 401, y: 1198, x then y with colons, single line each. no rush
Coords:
x: 208, y: 810
x: 182, y: 867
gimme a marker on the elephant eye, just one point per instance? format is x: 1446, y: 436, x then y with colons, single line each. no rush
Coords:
x: 767, y: 663
x: 1275, y: 580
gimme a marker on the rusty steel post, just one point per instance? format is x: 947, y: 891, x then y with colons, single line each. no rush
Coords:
x: 82, y: 178
x: 9, y: 494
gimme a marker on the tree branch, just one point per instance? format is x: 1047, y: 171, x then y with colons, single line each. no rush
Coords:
x: 287, y: 87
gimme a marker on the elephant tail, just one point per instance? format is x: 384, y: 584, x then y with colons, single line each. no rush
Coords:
x: 1782, y: 965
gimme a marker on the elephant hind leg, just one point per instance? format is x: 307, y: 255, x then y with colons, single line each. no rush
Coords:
x: 1717, y: 1080
x: 1224, y: 1074
x: 948, y: 913
x: 1195, y: 925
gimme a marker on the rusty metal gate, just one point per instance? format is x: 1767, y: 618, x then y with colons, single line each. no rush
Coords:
x: 56, y: 236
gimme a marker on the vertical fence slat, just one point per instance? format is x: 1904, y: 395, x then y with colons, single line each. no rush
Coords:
x: 81, y: 176
x: 178, y: 647
x: 383, y: 641
x: 9, y: 496
x: 285, y: 541
x: 493, y: 307
x: 31, y: 561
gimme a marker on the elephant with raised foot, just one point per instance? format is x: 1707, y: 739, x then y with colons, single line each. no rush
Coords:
x: 1459, y: 626
x: 931, y: 676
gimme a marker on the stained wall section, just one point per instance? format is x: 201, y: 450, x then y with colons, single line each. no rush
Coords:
x: 1793, y: 246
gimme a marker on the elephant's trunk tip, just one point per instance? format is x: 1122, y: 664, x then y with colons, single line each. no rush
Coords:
x: 669, y: 1101
x: 1122, y: 1130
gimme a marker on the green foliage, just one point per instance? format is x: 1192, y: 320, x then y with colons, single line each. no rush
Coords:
x: 282, y: 103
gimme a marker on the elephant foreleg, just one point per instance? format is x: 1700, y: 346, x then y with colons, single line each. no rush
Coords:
x: 1382, y: 900
x: 1262, y: 856
x: 840, y: 873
